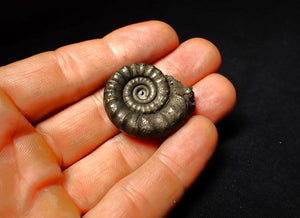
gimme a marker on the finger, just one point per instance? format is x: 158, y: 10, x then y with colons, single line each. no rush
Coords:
x: 75, y: 132
x: 30, y: 175
x: 61, y: 77
x: 155, y: 187
x: 215, y: 97
x: 195, y: 59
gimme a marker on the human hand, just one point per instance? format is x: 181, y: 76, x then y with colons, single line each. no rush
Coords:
x: 76, y: 162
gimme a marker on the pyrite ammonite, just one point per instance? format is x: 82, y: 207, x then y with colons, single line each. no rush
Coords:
x: 143, y: 102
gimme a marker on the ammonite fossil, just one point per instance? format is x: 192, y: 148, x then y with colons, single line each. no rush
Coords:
x: 144, y: 103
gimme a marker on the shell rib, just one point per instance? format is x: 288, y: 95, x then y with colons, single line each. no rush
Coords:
x: 144, y: 103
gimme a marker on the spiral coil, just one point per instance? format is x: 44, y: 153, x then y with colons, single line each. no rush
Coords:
x: 143, y: 102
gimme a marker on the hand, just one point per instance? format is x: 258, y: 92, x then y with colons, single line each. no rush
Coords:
x: 73, y: 162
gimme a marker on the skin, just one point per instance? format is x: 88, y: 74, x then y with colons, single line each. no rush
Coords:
x: 60, y: 156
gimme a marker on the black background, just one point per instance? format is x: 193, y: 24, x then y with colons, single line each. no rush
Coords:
x: 255, y: 170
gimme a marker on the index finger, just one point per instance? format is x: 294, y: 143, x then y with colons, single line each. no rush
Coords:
x: 47, y: 82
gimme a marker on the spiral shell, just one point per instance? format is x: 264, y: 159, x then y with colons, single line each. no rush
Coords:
x: 144, y: 103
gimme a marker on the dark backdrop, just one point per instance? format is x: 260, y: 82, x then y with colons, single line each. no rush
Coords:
x: 255, y: 170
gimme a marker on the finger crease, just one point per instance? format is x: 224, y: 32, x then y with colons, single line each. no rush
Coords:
x: 173, y: 168
x: 173, y: 66
x: 123, y: 156
x: 135, y: 196
x: 69, y: 69
x: 112, y: 52
x: 51, y: 144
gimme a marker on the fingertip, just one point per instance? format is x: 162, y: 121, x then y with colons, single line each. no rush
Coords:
x: 230, y: 95
x: 215, y: 96
x: 142, y: 36
x: 210, y: 58
x: 166, y: 30
x: 191, y: 61
x: 206, y: 130
x: 207, y: 45
x: 199, y: 131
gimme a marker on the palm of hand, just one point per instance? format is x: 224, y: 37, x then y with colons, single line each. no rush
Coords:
x: 56, y: 167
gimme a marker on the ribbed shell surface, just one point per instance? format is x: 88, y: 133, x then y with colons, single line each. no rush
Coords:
x: 144, y: 103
